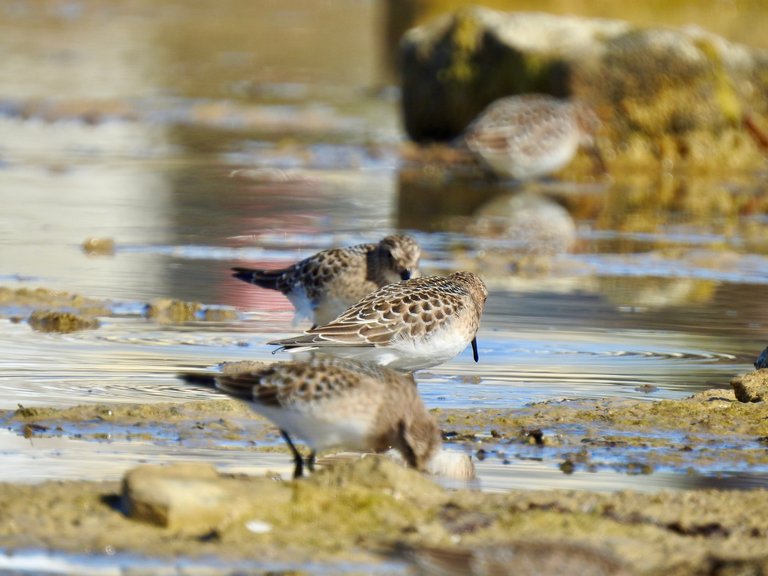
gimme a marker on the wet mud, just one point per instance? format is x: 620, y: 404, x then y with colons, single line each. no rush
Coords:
x: 373, y: 510
x: 710, y: 432
x: 58, y: 311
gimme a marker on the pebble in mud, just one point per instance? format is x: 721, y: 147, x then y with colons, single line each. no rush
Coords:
x: 99, y: 246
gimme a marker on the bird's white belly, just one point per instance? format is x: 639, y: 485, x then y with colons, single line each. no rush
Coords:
x: 329, y: 431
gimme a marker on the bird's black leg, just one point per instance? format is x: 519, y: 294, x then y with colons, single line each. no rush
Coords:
x: 474, y: 348
x: 311, y: 461
x: 298, y: 470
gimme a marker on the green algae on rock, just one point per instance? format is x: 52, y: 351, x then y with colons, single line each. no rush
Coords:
x: 64, y: 322
x: 122, y: 413
x: 168, y: 310
x: 668, y: 97
x: 68, y: 305
x: 709, y: 431
x: 751, y: 387
x: 46, y: 299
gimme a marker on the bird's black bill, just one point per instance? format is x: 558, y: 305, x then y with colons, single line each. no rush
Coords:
x: 474, y: 349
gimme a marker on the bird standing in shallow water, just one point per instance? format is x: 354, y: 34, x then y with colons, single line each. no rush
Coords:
x: 408, y: 326
x: 324, y: 285
x: 336, y: 403
x: 532, y: 135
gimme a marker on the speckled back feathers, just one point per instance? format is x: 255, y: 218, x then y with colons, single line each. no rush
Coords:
x: 412, y: 310
x: 327, y: 283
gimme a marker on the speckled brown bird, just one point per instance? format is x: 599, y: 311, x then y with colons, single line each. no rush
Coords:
x: 532, y: 135
x: 324, y: 285
x: 408, y: 326
x: 331, y: 402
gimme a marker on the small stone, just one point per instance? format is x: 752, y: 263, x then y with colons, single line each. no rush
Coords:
x: 171, y: 496
x: 99, y: 246
x: 752, y: 386
x: 193, y: 498
x: 64, y: 322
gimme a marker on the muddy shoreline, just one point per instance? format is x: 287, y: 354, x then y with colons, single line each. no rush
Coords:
x: 372, y: 510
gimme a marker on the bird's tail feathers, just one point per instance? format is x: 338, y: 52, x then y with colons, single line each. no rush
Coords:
x: 270, y: 279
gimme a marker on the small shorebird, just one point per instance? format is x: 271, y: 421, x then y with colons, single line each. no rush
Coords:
x: 332, y: 402
x: 409, y: 325
x: 324, y: 285
x: 532, y: 135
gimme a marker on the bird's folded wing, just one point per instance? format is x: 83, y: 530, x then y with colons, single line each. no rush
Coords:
x: 342, y: 334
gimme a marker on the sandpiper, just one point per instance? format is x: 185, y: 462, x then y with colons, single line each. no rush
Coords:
x: 331, y: 402
x: 533, y: 135
x: 408, y: 326
x: 324, y: 285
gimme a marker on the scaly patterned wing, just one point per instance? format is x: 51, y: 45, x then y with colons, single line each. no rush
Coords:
x: 409, y: 309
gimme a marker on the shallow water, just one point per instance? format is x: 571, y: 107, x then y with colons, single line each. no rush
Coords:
x: 202, y: 160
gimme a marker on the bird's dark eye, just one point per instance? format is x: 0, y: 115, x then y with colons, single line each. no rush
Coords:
x: 405, y: 275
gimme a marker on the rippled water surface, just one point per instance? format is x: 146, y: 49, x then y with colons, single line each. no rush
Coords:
x: 236, y: 155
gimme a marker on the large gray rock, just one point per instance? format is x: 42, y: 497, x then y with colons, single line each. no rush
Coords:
x: 663, y: 94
